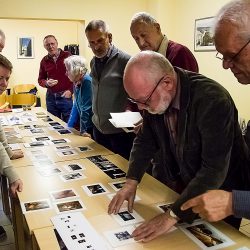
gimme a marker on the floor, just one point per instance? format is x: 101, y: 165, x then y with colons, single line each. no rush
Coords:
x: 9, y: 242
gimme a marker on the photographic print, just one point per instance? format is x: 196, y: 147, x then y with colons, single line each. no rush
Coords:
x: 48, y: 171
x: 206, y: 236
x: 25, y: 47
x: 42, y: 138
x: 58, y: 141
x: 74, y: 167
x: 72, y: 176
x: 95, y: 189
x: 37, y: 205
x: 97, y: 158
x: 203, y: 35
x: 117, y: 185
x: 63, y: 194
x: 124, y: 217
x: 69, y: 206
x: 83, y: 148
x: 63, y: 131
x: 121, y: 236
x: 66, y: 152
x: 164, y: 206
x: 54, y: 124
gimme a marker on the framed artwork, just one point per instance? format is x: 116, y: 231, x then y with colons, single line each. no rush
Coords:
x: 25, y: 47
x: 203, y: 34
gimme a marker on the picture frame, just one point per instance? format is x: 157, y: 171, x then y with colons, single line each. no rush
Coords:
x: 203, y: 34
x: 25, y: 47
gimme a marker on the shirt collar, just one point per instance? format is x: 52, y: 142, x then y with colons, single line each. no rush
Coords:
x: 163, y: 46
x: 175, y: 104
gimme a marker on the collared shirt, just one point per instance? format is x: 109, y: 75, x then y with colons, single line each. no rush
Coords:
x: 171, y: 115
x: 55, y: 57
x: 163, y: 46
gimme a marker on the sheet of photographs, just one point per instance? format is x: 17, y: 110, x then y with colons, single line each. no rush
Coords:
x: 205, y: 235
x: 77, y: 233
x: 107, y: 167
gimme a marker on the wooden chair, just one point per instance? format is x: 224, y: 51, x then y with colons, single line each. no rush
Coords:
x: 23, y: 88
x: 23, y: 99
x: 4, y: 101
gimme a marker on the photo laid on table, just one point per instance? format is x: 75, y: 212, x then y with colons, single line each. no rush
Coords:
x: 72, y: 176
x: 36, y: 205
x: 206, y: 236
x: 95, y: 189
x: 69, y: 206
x: 63, y: 194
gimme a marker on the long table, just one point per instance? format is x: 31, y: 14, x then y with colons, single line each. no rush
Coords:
x: 37, y: 225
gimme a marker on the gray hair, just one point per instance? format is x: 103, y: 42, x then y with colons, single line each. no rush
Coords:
x: 236, y: 12
x: 143, y: 17
x: 96, y: 25
x: 76, y: 65
x: 2, y: 34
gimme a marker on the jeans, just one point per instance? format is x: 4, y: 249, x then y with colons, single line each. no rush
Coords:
x: 59, y: 106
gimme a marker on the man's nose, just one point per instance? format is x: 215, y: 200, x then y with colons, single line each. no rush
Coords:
x: 227, y: 64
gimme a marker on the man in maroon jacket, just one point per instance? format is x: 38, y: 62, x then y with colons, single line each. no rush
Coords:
x: 52, y: 75
x: 146, y: 32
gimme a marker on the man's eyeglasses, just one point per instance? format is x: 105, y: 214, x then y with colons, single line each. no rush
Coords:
x: 148, y: 99
x: 231, y: 59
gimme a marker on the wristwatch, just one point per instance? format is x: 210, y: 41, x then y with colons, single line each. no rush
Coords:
x: 172, y: 214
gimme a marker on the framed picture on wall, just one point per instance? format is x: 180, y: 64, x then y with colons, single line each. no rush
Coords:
x: 25, y: 47
x: 203, y: 35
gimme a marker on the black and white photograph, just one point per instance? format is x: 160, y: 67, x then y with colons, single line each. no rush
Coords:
x: 72, y: 176
x: 37, y: 131
x: 206, y: 236
x: 115, y: 173
x: 106, y: 165
x: 120, y: 237
x: 74, y: 167
x: 95, y: 189
x: 84, y: 148
x: 124, y: 217
x: 54, y: 124
x: 47, y: 119
x: 42, y: 138
x: 49, y: 171
x: 96, y: 158
x: 64, y: 131
x: 117, y: 185
x: 164, y: 206
x: 59, y: 141
x: 66, y: 152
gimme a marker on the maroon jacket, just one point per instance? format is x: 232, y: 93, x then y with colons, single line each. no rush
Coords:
x: 55, y: 70
x: 180, y: 56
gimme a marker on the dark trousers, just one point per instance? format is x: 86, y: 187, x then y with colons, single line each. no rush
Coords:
x: 59, y: 106
x: 120, y: 143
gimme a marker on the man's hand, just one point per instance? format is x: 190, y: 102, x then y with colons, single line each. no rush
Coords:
x: 153, y: 228
x: 51, y: 82
x: 16, y: 186
x: 213, y: 206
x: 67, y: 94
x: 127, y: 192
x: 138, y: 125
x: 17, y: 154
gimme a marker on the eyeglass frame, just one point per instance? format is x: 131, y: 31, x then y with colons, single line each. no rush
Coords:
x: 232, y: 58
x: 149, y: 97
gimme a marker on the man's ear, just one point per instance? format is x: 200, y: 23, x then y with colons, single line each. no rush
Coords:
x: 158, y: 27
x: 168, y: 82
x: 110, y: 37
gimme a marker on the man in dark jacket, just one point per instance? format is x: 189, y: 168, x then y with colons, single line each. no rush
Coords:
x: 194, y: 121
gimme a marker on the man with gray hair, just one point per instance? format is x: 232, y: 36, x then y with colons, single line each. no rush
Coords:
x: 202, y: 143
x: 147, y: 33
x: 232, y: 41
x: 107, y: 67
